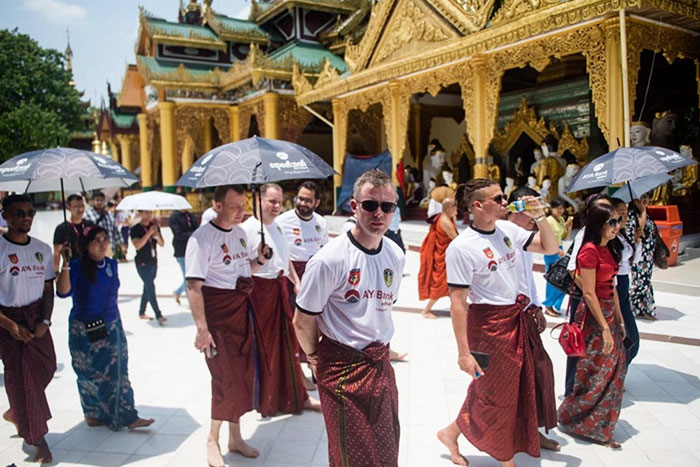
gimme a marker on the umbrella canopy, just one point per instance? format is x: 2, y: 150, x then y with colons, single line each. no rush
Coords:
x: 62, y: 168
x: 625, y: 164
x: 153, y: 201
x: 255, y: 160
x: 640, y: 186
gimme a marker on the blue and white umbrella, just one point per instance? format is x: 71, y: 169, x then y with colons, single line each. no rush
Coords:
x: 68, y: 169
x: 626, y: 164
x: 636, y: 188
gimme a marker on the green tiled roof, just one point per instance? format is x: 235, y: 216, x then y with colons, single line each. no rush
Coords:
x: 122, y: 120
x: 240, y: 25
x: 186, y: 31
x: 158, y: 67
x: 308, y: 55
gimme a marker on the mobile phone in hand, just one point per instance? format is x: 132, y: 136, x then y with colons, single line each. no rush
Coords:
x: 481, y: 358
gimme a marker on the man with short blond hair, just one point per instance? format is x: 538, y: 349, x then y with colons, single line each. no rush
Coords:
x: 347, y: 294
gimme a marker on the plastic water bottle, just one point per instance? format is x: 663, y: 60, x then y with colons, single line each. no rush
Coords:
x: 521, y: 205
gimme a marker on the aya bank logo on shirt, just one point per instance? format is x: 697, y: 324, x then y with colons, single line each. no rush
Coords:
x: 352, y: 296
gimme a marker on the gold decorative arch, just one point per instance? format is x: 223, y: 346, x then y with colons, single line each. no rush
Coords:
x: 579, y: 148
x: 524, y: 121
x: 465, y: 147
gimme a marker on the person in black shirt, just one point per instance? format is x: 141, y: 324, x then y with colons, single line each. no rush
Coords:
x: 145, y: 236
x: 73, y: 231
x: 183, y: 224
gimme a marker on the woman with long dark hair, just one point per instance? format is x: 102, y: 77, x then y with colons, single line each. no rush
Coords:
x: 96, y: 338
x: 593, y: 407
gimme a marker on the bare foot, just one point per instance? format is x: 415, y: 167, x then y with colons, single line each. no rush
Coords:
x: 145, y: 317
x: 243, y: 449
x: 612, y: 444
x: 551, y: 311
x: 312, y: 404
x: 549, y: 444
x: 43, y: 454
x: 176, y: 296
x: 397, y: 357
x: 214, y: 457
x: 308, y: 384
x: 89, y: 421
x: 450, y: 442
x: 428, y: 314
x: 141, y: 423
x: 7, y: 416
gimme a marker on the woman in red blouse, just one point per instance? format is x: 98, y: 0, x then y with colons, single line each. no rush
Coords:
x: 593, y: 407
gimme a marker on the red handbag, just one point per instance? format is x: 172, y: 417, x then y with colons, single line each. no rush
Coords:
x: 571, y: 338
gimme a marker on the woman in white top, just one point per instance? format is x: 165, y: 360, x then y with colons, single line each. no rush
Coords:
x: 631, y: 254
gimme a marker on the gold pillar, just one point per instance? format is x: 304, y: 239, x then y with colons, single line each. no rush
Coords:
x: 167, y: 145
x: 187, y: 154
x: 271, y: 110
x: 417, y: 143
x: 340, y: 131
x: 479, y: 121
x: 235, y: 122
x: 96, y: 145
x: 144, y: 157
x: 115, y: 150
x: 206, y: 136
x: 396, y: 113
x: 613, y: 71
x: 125, y: 144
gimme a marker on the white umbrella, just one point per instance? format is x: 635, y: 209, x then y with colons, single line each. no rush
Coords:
x: 153, y: 201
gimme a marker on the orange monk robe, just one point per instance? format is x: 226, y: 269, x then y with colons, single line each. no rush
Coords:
x: 432, y: 276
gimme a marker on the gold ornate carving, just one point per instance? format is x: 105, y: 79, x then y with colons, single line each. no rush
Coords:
x: 364, y: 99
x: 362, y: 129
x: 396, y: 106
x: 516, y: 9
x: 524, y: 121
x: 299, y: 82
x: 467, y: 15
x: 245, y: 113
x: 189, y: 120
x: 578, y: 148
x: 328, y: 74
x: 357, y: 56
x: 408, y: 31
x: 295, y: 119
x: 466, y: 148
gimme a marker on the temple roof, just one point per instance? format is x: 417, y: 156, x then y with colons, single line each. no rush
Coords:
x: 131, y: 92
x: 167, y: 32
x: 167, y: 74
x: 307, y: 55
x: 122, y: 120
x: 262, y: 12
x: 237, y: 30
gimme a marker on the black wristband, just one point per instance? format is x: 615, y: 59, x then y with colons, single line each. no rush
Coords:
x: 257, y: 260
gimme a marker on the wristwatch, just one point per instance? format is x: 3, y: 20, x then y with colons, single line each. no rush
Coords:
x: 47, y: 322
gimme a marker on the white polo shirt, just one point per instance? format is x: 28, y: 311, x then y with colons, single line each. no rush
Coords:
x: 488, y: 263
x: 217, y: 256
x: 274, y: 237
x: 23, y: 271
x: 304, y: 237
x: 352, y: 290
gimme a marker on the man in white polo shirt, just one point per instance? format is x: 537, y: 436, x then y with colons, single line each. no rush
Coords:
x: 347, y: 294
x: 26, y: 304
x: 283, y: 391
x: 306, y: 230
x: 499, y: 415
x: 218, y: 267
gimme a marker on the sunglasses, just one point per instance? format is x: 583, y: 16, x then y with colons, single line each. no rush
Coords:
x: 21, y: 214
x: 370, y: 206
x: 615, y: 222
x: 499, y: 198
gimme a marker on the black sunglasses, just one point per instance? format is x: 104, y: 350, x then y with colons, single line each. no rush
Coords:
x: 499, y: 198
x: 370, y: 206
x: 20, y: 213
x: 615, y: 221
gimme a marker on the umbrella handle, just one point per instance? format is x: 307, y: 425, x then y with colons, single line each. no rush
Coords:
x: 267, y: 254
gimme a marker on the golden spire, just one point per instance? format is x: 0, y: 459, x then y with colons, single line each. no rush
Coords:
x: 69, y: 58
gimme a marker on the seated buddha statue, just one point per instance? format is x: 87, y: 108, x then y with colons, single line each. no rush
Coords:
x: 494, y: 170
x: 549, y: 167
x: 574, y: 199
x: 686, y: 182
x: 639, y: 134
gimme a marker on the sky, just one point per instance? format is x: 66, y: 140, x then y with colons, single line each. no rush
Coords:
x: 102, y: 32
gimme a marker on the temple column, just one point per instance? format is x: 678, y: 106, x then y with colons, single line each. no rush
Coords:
x: 96, y: 145
x: 206, y: 137
x: 125, y: 144
x: 187, y: 157
x: 396, y: 113
x: 613, y: 71
x: 167, y: 145
x: 271, y: 110
x: 340, y: 130
x: 479, y: 121
x: 417, y: 143
x: 235, y: 122
x: 115, y: 150
x: 144, y: 157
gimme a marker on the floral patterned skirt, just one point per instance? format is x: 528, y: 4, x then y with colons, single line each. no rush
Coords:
x: 593, y: 407
x: 103, y: 379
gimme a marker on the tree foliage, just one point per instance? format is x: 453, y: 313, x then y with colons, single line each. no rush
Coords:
x: 38, y: 108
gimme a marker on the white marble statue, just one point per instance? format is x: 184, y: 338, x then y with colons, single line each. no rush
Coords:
x: 547, y: 153
x: 639, y: 134
x: 564, y: 182
x: 537, y: 152
x: 532, y: 183
x: 510, y: 186
x: 433, y: 169
x: 544, y: 190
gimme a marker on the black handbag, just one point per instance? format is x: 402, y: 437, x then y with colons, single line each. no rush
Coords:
x: 558, y: 274
x: 661, y: 251
x: 96, y: 330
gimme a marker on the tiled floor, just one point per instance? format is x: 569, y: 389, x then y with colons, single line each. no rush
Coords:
x: 659, y: 425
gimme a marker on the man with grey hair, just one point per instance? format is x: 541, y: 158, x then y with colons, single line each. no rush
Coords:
x: 347, y: 294
x: 283, y: 390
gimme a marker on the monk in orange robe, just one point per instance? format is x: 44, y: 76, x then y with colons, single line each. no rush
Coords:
x: 432, y: 276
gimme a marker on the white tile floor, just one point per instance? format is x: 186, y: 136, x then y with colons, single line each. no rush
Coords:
x: 659, y: 425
